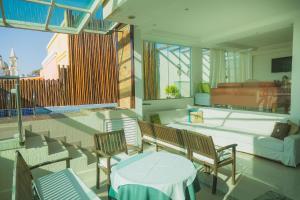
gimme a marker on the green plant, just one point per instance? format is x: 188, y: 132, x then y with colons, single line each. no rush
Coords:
x: 172, y: 91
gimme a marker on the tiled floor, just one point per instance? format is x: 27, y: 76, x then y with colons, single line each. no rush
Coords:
x: 256, y: 176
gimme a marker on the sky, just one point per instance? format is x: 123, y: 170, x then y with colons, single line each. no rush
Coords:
x: 29, y: 46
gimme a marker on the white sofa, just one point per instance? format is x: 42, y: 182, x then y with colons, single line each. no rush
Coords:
x: 250, y: 130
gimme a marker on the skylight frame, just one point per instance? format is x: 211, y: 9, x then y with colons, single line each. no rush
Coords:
x: 85, y: 15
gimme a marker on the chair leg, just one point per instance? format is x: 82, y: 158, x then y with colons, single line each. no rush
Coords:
x: 108, y: 173
x: 98, y: 175
x: 233, y: 172
x: 233, y: 165
x: 142, y: 148
x: 157, y: 148
x: 215, y: 180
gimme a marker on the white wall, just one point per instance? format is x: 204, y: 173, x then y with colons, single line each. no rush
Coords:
x: 262, y: 61
x: 152, y: 106
x: 138, y: 72
x: 57, y: 54
x: 295, y: 105
x: 196, y: 72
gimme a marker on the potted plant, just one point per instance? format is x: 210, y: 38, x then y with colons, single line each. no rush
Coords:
x: 172, y: 91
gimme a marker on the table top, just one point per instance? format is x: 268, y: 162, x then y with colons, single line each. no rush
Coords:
x: 169, y: 173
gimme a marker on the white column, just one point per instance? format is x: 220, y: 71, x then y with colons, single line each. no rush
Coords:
x: 196, y: 71
x: 138, y: 72
x: 295, y: 93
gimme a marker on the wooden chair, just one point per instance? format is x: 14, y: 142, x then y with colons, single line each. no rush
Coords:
x: 201, y: 149
x: 147, y: 133
x: 111, y: 146
x: 168, y: 138
x: 52, y: 186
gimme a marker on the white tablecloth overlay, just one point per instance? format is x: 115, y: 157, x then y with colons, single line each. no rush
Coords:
x: 166, y: 172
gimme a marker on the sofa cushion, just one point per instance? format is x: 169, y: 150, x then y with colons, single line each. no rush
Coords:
x: 281, y: 130
x: 64, y: 184
x: 258, y: 124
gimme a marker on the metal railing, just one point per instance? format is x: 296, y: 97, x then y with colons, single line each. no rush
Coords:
x: 129, y: 124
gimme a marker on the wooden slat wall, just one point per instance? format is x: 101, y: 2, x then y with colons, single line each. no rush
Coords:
x: 150, y: 72
x: 93, y: 72
x: 91, y: 77
x: 126, y: 68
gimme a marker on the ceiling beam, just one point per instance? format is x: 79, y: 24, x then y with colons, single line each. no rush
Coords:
x: 88, y: 16
x: 49, y: 15
x: 38, y: 27
x: 2, y: 13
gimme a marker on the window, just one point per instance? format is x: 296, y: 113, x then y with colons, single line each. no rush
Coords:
x: 173, y: 63
x: 205, y: 65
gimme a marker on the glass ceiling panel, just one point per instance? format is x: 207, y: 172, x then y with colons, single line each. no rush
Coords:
x: 25, y: 12
x: 76, y: 3
x: 67, y: 16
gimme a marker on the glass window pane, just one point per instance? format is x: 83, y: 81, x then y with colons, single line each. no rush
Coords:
x: 205, y: 65
x: 174, y: 66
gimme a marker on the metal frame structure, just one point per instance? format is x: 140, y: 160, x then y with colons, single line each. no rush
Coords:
x: 88, y: 16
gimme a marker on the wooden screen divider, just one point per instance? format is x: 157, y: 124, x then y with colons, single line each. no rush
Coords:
x: 91, y: 77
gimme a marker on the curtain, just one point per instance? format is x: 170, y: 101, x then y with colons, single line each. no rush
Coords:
x: 217, y: 67
x: 246, y: 66
x: 150, y: 71
x: 238, y: 66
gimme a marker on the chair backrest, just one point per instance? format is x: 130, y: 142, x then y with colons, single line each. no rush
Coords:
x: 111, y: 143
x: 22, y: 180
x: 147, y: 129
x: 200, y: 144
x: 169, y: 135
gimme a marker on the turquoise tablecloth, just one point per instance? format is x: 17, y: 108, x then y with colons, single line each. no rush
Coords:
x: 141, y: 192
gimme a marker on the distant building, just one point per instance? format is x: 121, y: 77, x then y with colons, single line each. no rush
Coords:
x: 57, y: 56
x: 13, y: 60
x: 3, y: 67
x: 10, y: 69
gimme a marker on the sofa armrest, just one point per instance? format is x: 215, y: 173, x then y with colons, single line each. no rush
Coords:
x: 291, y: 150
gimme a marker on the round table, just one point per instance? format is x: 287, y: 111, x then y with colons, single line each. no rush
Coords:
x: 153, y: 175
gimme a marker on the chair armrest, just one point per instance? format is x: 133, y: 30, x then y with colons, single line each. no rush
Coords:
x: 67, y: 159
x: 233, y: 146
x: 102, y: 154
x: 134, y: 148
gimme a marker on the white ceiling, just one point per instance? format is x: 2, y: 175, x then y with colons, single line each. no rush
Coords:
x: 209, y: 22
x: 278, y: 36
